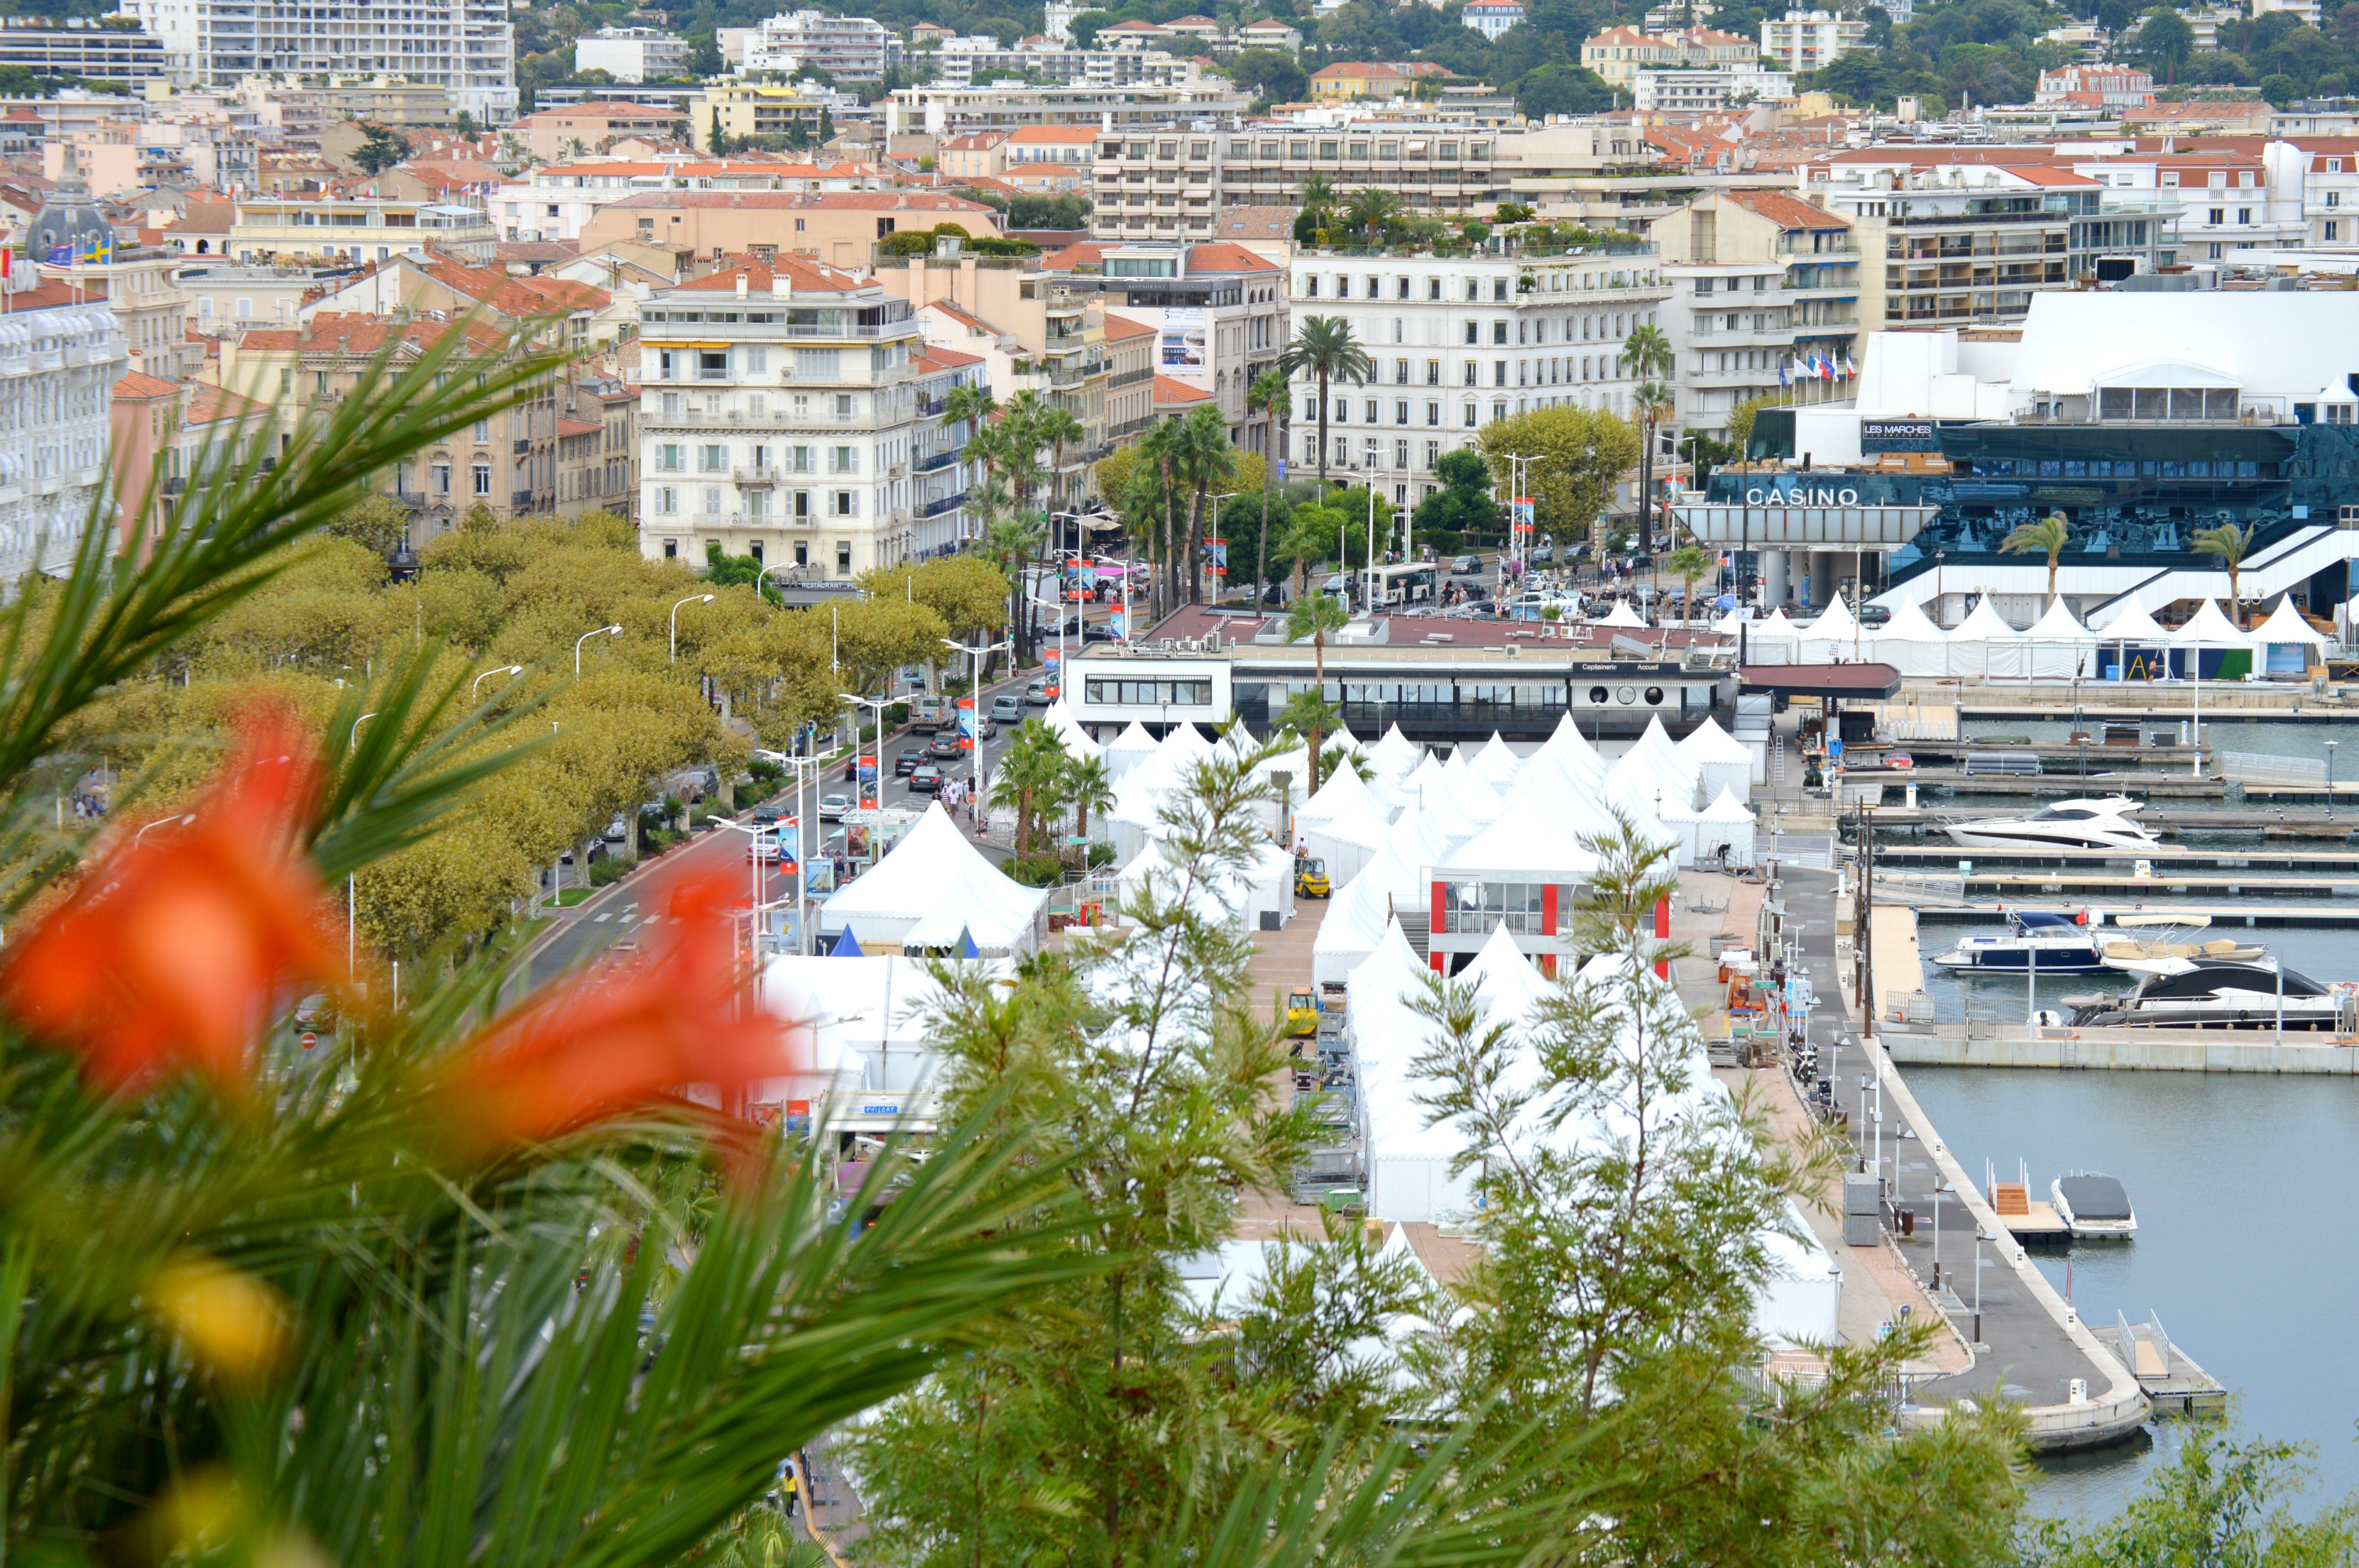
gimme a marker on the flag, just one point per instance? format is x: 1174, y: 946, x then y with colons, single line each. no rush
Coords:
x: 1785, y: 376
x: 1851, y: 371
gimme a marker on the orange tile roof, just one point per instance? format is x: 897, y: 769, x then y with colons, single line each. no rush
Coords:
x: 136, y: 384
x: 964, y: 318
x: 517, y: 297
x: 568, y: 426
x: 806, y: 201
x: 1788, y: 211
x: 1220, y: 256
x: 1063, y: 135
x: 331, y: 332
x: 1170, y: 391
x: 1123, y: 328
x: 207, y: 404
x: 816, y: 277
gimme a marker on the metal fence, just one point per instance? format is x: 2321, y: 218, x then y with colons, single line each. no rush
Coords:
x: 2255, y: 768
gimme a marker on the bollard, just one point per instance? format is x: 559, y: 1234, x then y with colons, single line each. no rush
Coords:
x: 2080, y: 1390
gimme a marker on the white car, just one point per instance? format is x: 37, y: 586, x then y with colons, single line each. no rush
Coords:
x: 833, y: 807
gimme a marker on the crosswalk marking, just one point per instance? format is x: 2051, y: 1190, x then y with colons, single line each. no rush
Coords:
x: 601, y: 917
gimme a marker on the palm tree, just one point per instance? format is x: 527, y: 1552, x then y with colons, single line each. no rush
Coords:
x: 1647, y: 354
x: 1268, y: 394
x: 1323, y: 348
x: 2049, y: 535
x: 1201, y: 458
x: 1144, y: 503
x: 988, y: 446
x: 1028, y: 777
x: 1315, y: 616
x: 1688, y: 562
x: 1008, y: 542
x: 1318, y: 200
x: 1370, y: 209
x: 1160, y: 448
x: 2225, y: 540
x: 1088, y: 787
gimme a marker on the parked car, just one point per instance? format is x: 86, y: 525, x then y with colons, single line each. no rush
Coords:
x: 907, y: 760
x: 946, y: 747
x: 1008, y: 708
x: 833, y: 807
x: 1465, y: 566
x: 1899, y: 759
x: 860, y: 767
x: 1036, y: 693
x: 1875, y: 616
x: 1095, y: 633
x: 617, y: 831
x: 926, y: 780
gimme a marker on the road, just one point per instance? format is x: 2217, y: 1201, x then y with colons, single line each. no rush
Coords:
x: 618, y: 913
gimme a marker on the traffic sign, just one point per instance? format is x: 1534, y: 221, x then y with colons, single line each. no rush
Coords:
x: 310, y: 1039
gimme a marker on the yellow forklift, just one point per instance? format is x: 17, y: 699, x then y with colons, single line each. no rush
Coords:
x: 1301, y: 1014
x: 1311, y: 877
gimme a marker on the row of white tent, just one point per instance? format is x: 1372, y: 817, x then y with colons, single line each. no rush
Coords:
x: 2056, y: 647
x: 1408, y: 1155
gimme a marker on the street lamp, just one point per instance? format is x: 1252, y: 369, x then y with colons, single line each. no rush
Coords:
x: 585, y: 637
x: 692, y: 599
x: 880, y: 704
x: 486, y: 675
x: 975, y: 693
x: 1939, y: 1192
x: 2330, y: 782
x: 161, y: 822
x: 352, y: 884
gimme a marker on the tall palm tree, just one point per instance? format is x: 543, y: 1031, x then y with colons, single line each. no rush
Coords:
x: 1088, y: 787
x: 987, y: 446
x: 2226, y: 541
x: 1160, y: 451
x: 1201, y: 458
x: 1268, y: 394
x: 2047, y: 537
x: 1316, y: 616
x: 970, y: 403
x: 1688, y: 563
x: 1370, y: 209
x: 1323, y: 348
x: 1317, y: 199
x: 1647, y: 354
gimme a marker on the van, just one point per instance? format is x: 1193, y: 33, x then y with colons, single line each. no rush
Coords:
x: 927, y: 714
x: 1007, y: 710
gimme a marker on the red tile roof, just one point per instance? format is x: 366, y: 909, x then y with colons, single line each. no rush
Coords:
x: 1170, y: 391
x: 800, y: 273
x: 137, y: 384
x: 207, y: 404
x: 1224, y: 257
x: 571, y: 427
x: 1788, y: 211
x: 1124, y: 329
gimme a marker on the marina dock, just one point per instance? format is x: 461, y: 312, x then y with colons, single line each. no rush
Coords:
x: 2170, y: 1379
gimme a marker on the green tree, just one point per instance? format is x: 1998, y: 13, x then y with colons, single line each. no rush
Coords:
x: 1647, y: 354
x: 1373, y: 210
x: 2217, y: 1501
x: 1688, y: 563
x: 1562, y: 90
x: 379, y: 522
x: 1272, y: 76
x: 1581, y: 454
x: 2047, y: 537
x: 1324, y: 350
x: 2165, y: 40
x: 1269, y: 395
x: 1316, y: 200
x: 1067, y: 209
x: 381, y: 147
x: 1200, y: 457
x: 1316, y: 616
x: 1029, y: 779
x: 1463, y: 509
x: 1087, y: 787
x: 2226, y: 542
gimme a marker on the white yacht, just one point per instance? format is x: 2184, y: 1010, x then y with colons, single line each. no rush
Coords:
x: 2093, y: 1206
x: 2096, y: 823
x: 2223, y: 995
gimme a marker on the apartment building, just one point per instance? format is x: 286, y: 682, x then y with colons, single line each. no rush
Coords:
x: 554, y: 134
x: 1032, y: 331
x: 1620, y: 54
x: 1048, y: 159
x: 1217, y: 312
x: 1707, y: 90
x: 361, y: 229
x: 938, y: 110
x: 1457, y: 341
x: 2227, y: 198
x: 764, y: 109
x: 1170, y: 184
x: 61, y: 355
x: 505, y: 464
x: 958, y: 62
x: 1492, y: 18
x: 598, y: 447
x: 1805, y: 41
x: 1132, y: 349
x: 841, y: 228
x: 632, y: 54
x: 778, y: 418
x: 849, y: 48
x: 1759, y: 280
x: 557, y: 310
x: 554, y: 201
x: 466, y: 48
x: 2095, y: 86
x: 83, y: 45
x: 942, y: 519
x: 2328, y: 167
x: 137, y: 288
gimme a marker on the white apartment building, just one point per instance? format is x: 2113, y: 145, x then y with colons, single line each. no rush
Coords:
x: 938, y: 464
x: 1707, y: 90
x: 1805, y: 41
x: 60, y: 357
x: 849, y: 48
x: 1492, y: 18
x: 467, y: 47
x: 1459, y: 342
x: 2329, y: 171
x: 781, y: 418
x: 632, y: 54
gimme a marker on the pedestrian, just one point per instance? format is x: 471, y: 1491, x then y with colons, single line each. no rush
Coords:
x: 790, y: 1484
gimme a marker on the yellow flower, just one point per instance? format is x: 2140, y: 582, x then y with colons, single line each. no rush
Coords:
x: 229, y: 1321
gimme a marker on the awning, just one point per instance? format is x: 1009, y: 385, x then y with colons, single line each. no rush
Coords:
x: 1845, y: 681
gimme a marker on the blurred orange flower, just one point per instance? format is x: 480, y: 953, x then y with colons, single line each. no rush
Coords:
x: 171, y: 952
x: 626, y: 1037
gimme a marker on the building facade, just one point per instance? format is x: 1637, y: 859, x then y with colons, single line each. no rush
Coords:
x: 466, y: 47
x: 83, y: 45
x: 1492, y: 18
x: 940, y: 511
x: 778, y: 418
x: 1805, y: 41
x: 1707, y: 89
x: 598, y: 447
x: 841, y: 228
x: 61, y: 355
x: 632, y: 54
x: 293, y: 230
x: 849, y: 48
x: 1458, y: 342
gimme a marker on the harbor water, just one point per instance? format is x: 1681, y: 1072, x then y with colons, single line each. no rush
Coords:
x: 2236, y: 1178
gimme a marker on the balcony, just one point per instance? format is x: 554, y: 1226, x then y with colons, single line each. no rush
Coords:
x: 523, y: 445
x: 933, y: 407
x: 521, y: 500
x: 936, y: 508
x: 934, y: 460
x: 746, y: 477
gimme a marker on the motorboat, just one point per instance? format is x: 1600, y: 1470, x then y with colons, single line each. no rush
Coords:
x: 2224, y: 995
x: 2151, y: 956
x: 2099, y: 822
x: 2034, y: 940
x: 2093, y: 1208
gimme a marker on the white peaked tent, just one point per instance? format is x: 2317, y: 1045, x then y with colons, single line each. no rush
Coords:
x: 1348, y: 837
x: 1657, y: 772
x: 1496, y: 763
x: 1725, y: 828
x: 1722, y: 761
x: 934, y: 877
x: 1341, y: 790
x: 1773, y: 640
x: 1395, y: 755
x: 1726, y: 626
x: 1571, y: 751
x: 1477, y: 800
x: 2282, y: 644
x: 868, y: 1020
x: 1408, y: 1161
x: 1417, y: 837
x: 2205, y: 630
x: 1266, y: 886
x: 1357, y: 914
x: 1078, y: 744
x: 2137, y: 640
x: 1983, y: 644
x: 1621, y: 614
x: 1679, y: 819
x: 1128, y: 749
x: 1443, y: 807
x: 1911, y: 643
x: 1427, y: 775
x: 1835, y: 633
x: 2056, y: 648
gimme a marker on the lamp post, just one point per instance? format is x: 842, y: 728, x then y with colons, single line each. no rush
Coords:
x: 486, y: 675
x: 974, y: 692
x: 2330, y: 780
x: 880, y: 704
x: 179, y: 822
x: 585, y: 637
x: 1981, y: 1235
x: 352, y: 882
x: 1941, y: 1191
x: 1125, y: 566
x: 692, y: 599
x: 1057, y: 605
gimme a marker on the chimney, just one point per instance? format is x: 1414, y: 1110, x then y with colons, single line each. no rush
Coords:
x: 781, y: 286
x: 741, y: 283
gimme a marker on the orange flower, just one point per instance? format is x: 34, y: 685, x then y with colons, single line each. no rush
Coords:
x: 626, y: 1037
x: 172, y: 952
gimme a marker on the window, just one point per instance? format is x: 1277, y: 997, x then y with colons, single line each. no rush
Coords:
x: 818, y: 364
x: 1342, y: 286
x: 483, y: 479
x: 842, y: 558
x: 712, y: 500
x: 757, y: 361
x: 1310, y: 286
x: 713, y: 365
x: 847, y: 504
x: 1703, y: 286
x: 844, y: 460
x: 1150, y: 694
x: 2219, y: 216
x: 1499, y: 288
x: 2243, y: 215
x: 1400, y: 454
x: 1499, y: 332
x: 1433, y: 413
x: 483, y: 430
x: 668, y: 459
x: 1374, y: 417
x: 671, y: 550
x: 844, y: 407
x: 286, y: 383
x: 1433, y: 373
x: 758, y: 505
x: 1400, y: 366
x: 1433, y: 288
x: 1400, y: 412
x: 1470, y: 421
x: 667, y: 500
x: 802, y: 506
x: 1433, y: 448
x: 1499, y: 374
x: 715, y: 458
x: 1473, y: 332
x: 1473, y: 373
x: 441, y: 479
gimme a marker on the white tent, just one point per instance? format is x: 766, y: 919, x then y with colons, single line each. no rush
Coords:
x: 1621, y: 614
x: 2205, y: 630
x: 936, y: 877
x: 1910, y: 642
x: 1834, y: 635
x: 1496, y: 763
x: 1983, y: 644
x: 2137, y: 640
x: 1348, y: 838
x: 1727, y: 625
x: 2282, y: 644
x: 1725, y: 827
x: 1656, y: 771
x: 2056, y: 648
x: 1571, y: 750
x: 1773, y: 640
x: 866, y: 1018
x: 1395, y: 755
x: 1357, y: 914
x: 1418, y: 836
x: 1266, y: 886
x: 1128, y: 749
x: 1077, y: 740
x: 2129, y: 621
x: 1722, y: 761
x: 1341, y: 790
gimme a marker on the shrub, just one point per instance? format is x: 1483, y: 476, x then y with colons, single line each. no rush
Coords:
x: 1036, y: 871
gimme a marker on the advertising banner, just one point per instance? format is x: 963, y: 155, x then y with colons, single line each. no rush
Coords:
x: 966, y: 723
x: 1183, y: 339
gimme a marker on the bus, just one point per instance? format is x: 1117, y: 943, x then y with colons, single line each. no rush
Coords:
x: 1398, y: 587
